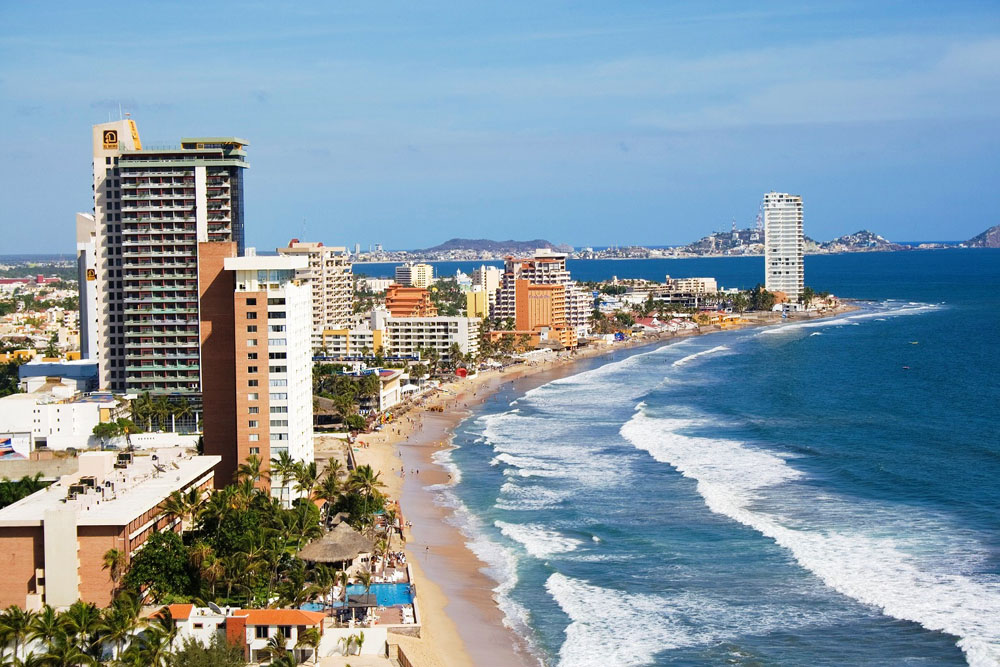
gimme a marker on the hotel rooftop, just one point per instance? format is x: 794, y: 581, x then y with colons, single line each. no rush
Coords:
x: 112, y: 488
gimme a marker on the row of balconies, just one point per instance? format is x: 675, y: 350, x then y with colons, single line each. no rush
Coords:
x: 161, y: 330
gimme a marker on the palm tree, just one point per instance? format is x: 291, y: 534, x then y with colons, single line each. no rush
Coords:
x: 119, y: 622
x: 176, y: 505
x: 151, y: 648
x: 366, y: 481
x: 306, y: 475
x: 46, y: 625
x: 329, y: 490
x: 142, y: 410
x: 181, y: 410
x: 162, y: 409
x: 277, y: 646
x: 284, y: 468
x: 114, y: 563
x: 334, y: 468
x: 16, y: 624
x: 81, y: 622
x: 253, y: 470
x: 309, y: 638
x: 62, y: 652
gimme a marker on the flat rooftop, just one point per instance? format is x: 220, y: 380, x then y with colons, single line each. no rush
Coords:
x: 124, y: 494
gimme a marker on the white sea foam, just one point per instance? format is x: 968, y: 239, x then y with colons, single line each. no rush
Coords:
x: 855, y: 560
x: 443, y: 458
x: 690, y: 357
x: 538, y: 540
x: 516, y: 497
x: 883, y: 311
x: 610, y: 627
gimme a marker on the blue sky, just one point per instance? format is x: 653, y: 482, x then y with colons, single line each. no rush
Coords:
x: 588, y: 123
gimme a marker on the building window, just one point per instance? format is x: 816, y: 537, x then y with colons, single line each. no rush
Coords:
x: 251, y: 369
x: 251, y: 355
x: 253, y: 410
x: 251, y: 316
x: 252, y: 423
x: 255, y: 450
x: 280, y: 396
x: 279, y: 409
x: 278, y: 383
x: 251, y: 302
x: 251, y: 342
x: 251, y: 328
x: 253, y: 437
x: 275, y: 314
x: 253, y: 397
x: 277, y: 355
x: 276, y: 328
x: 253, y: 383
x: 279, y: 422
x: 277, y: 369
x: 279, y: 436
x: 276, y: 302
x: 261, y: 632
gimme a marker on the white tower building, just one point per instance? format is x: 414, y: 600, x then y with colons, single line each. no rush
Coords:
x: 329, y: 273
x: 783, y: 244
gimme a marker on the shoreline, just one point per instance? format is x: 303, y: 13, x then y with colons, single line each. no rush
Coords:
x: 462, y: 623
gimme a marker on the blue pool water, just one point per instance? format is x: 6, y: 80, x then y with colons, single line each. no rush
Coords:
x: 386, y: 595
x: 821, y: 493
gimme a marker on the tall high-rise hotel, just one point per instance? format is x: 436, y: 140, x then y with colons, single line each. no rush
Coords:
x: 154, y: 209
x: 784, y: 244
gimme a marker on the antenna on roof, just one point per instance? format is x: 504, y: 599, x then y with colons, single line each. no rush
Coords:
x: 120, y: 117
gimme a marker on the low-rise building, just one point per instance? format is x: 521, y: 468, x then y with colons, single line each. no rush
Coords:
x: 53, y: 542
x: 690, y: 285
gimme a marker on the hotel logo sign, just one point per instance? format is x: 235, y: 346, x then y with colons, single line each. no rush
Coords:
x: 110, y: 140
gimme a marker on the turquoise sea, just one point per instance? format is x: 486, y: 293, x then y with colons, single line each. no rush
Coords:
x: 820, y: 493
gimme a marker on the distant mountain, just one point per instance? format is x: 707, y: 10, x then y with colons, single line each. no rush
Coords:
x: 485, y: 245
x: 861, y: 241
x: 988, y: 239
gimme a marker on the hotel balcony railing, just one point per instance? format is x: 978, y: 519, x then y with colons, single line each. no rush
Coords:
x: 134, y: 174
x: 158, y: 333
x: 161, y: 311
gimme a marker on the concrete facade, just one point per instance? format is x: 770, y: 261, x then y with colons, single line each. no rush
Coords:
x: 784, y: 245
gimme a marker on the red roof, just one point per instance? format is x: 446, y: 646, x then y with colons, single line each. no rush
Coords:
x: 179, y: 612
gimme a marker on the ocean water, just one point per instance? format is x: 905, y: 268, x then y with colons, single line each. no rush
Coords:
x: 821, y: 493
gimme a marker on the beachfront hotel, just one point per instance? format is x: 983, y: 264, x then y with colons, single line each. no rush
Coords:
x: 784, y: 245
x: 154, y: 209
x: 405, y: 336
x: 53, y: 542
x: 257, y: 331
x: 403, y: 301
x: 329, y: 273
x: 545, y: 268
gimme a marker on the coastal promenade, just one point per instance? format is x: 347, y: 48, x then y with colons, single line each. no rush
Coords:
x: 461, y: 623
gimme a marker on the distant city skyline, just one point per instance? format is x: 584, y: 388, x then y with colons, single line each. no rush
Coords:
x: 587, y: 124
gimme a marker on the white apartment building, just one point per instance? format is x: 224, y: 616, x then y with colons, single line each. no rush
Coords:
x: 691, y: 285
x: 783, y: 244
x: 405, y: 336
x: 409, y: 335
x: 285, y: 350
x: 375, y: 285
x: 329, y: 273
x: 415, y: 275
x: 59, y: 417
x: 545, y: 268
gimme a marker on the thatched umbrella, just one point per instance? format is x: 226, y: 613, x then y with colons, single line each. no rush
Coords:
x: 343, y: 543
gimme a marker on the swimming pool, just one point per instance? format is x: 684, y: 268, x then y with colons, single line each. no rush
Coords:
x: 386, y: 595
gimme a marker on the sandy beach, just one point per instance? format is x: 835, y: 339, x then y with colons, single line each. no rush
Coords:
x: 461, y: 623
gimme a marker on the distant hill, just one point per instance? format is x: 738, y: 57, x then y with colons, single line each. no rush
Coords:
x: 861, y: 241
x: 988, y: 239
x: 485, y: 245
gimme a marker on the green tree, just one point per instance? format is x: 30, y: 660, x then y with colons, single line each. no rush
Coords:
x: 217, y: 654
x: 16, y: 626
x: 161, y: 566
x: 807, y: 296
